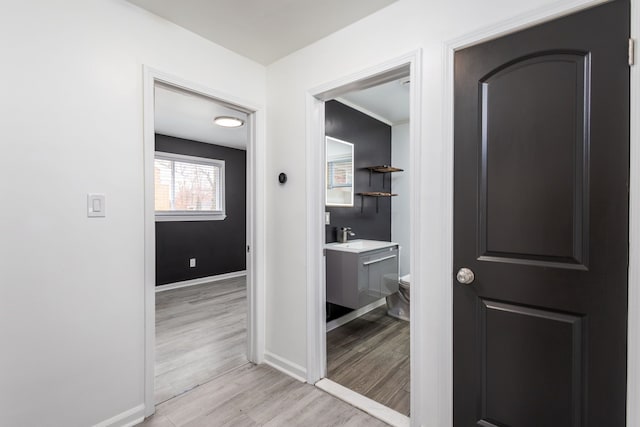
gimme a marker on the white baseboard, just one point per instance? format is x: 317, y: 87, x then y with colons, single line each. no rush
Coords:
x: 286, y: 366
x: 336, y: 323
x: 128, y: 418
x: 363, y: 403
x: 200, y: 281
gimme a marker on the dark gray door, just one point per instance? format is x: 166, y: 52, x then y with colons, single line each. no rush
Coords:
x: 541, y: 218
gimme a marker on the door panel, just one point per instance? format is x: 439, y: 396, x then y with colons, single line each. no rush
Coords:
x: 524, y: 383
x: 539, y: 134
x: 541, y: 217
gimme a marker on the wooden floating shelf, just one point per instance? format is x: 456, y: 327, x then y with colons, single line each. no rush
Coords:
x: 384, y: 169
x: 377, y: 195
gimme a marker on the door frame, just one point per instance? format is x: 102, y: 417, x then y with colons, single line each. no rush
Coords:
x: 521, y: 22
x: 255, y: 223
x: 411, y: 64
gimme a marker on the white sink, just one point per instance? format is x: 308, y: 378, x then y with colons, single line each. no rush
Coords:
x: 360, y: 245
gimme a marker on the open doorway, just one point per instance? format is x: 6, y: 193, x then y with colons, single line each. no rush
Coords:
x: 368, y: 311
x: 200, y: 208
x: 202, y: 304
x: 361, y: 307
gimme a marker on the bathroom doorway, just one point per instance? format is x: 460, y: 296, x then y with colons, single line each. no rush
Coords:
x: 200, y: 284
x: 362, y: 306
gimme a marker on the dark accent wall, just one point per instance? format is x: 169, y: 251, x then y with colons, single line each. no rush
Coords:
x: 371, y: 141
x: 372, y: 147
x: 218, y: 246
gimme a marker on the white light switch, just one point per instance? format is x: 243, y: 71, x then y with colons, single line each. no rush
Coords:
x: 192, y: 262
x: 327, y: 218
x: 96, y: 205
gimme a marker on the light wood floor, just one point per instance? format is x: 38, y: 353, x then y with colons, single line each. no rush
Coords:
x: 258, y: 396
x: 370, y: 355
x: 200, y: 334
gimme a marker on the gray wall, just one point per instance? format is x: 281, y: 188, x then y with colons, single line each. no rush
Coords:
x: 400, y: 215
x: 218, y: 246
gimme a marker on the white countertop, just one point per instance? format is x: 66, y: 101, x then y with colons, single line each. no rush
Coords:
x: 359, y: 245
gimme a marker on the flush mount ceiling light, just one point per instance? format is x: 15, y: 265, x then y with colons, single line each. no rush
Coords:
x: 228, y: 121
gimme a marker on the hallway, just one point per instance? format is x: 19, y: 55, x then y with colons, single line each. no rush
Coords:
x: 258, y: 396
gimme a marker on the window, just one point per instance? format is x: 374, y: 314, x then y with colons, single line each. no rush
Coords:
x: 340, y: 174
x: 188, y: 188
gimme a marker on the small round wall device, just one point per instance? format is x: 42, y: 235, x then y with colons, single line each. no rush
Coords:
x: 282, y: 178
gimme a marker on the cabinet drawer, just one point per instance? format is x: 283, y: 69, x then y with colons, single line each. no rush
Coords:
x: 355, y: 280
x: 378, y: 275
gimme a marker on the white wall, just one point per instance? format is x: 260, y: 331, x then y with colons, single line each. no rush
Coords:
x: 400, y: 205
x: 400, y: 28
x: 71, y: 288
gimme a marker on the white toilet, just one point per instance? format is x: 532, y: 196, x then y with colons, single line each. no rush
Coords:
x: 398, y: 303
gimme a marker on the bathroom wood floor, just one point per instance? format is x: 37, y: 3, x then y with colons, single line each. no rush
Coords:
x: 200, y: 334
x: 370, y: 355
x: 258, y: 396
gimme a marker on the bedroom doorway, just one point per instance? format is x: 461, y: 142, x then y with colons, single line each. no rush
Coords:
x: 180, y: 352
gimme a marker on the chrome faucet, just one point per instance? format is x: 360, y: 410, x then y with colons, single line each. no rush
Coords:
x: 344, y: 233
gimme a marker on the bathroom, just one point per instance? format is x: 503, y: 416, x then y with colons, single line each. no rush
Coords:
x: 367, y: 243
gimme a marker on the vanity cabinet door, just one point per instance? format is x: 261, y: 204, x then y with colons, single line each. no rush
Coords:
x: 343, y: 279
x: 379, y: 275
x: 355, y: 280
x: 367, y: 292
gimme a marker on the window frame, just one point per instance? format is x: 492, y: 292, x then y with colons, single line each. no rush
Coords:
x: 182, y: 215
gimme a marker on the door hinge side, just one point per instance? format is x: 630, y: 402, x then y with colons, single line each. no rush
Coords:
x: 632, y: 53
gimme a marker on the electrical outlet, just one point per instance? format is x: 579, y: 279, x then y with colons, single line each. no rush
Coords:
x: 192, y: 262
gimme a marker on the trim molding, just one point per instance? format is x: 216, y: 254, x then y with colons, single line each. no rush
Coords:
x: 336, y: 323
x: 521, y: 22
x: 128, y: 418
x: 316, y: 269
x: 370, y: 406
x: 189, y: 218
x: 200, y: 281
x: 285, y: 366
x: 364, y: 111
x: 633, y: 329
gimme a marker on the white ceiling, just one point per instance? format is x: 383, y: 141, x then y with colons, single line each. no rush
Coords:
x: 263, y: 30
x: 189, y: 116
x: 186, y: 115
x: 388, y: 101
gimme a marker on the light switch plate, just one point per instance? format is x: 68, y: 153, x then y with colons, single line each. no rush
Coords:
x: 327, y: 218
x: 96, y: 207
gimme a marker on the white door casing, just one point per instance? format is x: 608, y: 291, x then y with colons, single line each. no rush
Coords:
x: 409, y: 64
x: 255, y: 220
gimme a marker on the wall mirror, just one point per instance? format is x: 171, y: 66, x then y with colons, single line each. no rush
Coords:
x: 339, y: 189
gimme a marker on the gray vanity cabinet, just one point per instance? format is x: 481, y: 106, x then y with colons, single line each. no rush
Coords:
x: 357, y: 279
